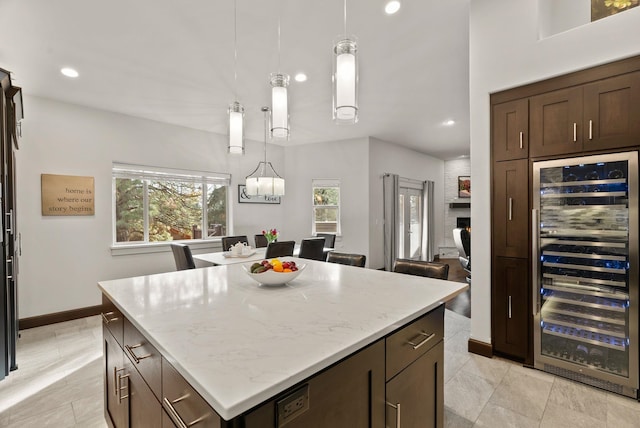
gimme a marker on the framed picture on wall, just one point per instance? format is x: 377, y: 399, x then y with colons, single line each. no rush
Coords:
x: 464, y: 186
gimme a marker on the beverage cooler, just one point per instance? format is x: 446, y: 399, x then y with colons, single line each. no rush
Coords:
x: 585, y: 269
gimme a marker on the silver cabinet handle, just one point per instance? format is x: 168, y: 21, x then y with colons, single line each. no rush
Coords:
x: 116, y: 383
x: 591, y: 129
x: 108, y: 320
x: 521, y: 138
x: 397, y: 407
x: 575, y: 132
x: 426, y: 337
x: 9, y: 222
x: 510, y: 209
x: 10, y: 263
x: 121, y: 388
x: 509, y: 307
x: 175, y: 417
x: 535, y: 224
x: 133, y: 354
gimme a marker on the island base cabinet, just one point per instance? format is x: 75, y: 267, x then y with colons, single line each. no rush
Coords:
x: 349, y: 394
x: 116, y: 409
x: 415, y: 397
x: 144, y: 408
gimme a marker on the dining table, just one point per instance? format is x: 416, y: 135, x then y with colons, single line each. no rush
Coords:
x: 222, y: 258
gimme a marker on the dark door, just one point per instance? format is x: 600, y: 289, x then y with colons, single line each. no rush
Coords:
x: 612, y: 108
x: 511, y: 208
x: 6, y: 305
x: 510, y: 307
x: 144, y: 408
x: 419, y: 391
x: 510, y: 130
x: 116, y: 407
x: 555, y: 126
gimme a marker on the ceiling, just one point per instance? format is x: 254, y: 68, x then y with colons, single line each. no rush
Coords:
x: 173, y: 62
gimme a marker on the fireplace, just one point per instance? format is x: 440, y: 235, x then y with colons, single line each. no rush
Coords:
x: 463, y: 222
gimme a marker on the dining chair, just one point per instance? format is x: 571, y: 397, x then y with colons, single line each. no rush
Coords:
x: 182, y: 255
x: 280, y: 249
x: 261, y: 241
x: 313, y: 249
x: 462, y: 239
x: 229, y: 241
x: 357, y: 260
x: 329, y: 239
x: 422, y: 268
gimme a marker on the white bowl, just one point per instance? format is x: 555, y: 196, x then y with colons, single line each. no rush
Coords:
x: 271, y: 277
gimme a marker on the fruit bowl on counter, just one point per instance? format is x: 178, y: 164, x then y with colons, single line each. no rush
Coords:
x: 274, y: 271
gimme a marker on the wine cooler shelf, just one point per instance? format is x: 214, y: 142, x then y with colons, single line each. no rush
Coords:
x: 563, y: 276
x: 618, y: 318
x: 585, y: 336
x: 591, y: 325
x: 602, y: 359
x: 596, y: 302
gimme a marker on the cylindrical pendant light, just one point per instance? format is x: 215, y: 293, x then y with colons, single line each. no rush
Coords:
x: 345, y: 77
x: 236, y: 128
x: 235, y: 110
x: 279, y: 106
x: 345, y: 81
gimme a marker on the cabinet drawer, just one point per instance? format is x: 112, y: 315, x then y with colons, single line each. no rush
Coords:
x: 409, y: 343
x: 112, y: 319
x: 182, y: 403
x: 144, y: 357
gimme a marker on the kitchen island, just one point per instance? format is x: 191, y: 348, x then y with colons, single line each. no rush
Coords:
x: 252, y: 351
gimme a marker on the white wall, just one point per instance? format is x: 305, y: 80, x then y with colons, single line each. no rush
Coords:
x: 386, y: 157
x: 344, y: 160
x: 505, y: 52
x: 452, y: 170
x: 64, y: 257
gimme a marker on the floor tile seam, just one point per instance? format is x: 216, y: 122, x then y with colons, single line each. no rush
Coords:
x: 514, y: 410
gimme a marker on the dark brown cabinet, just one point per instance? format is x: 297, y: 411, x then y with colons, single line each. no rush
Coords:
x: 611, y: 112
x: 415, y: 395
x: 144, y: 408
x: 595, y: 116
x: 511, y: 208
x: 556, y: 123
x: 510, y: 130
x: 510, y: 306
x: 116, y: 407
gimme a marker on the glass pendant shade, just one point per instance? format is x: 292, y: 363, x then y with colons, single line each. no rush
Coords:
x: 236, y: 128
x: 264, y: 180
x: 345, y: 81
x: 279, y: 106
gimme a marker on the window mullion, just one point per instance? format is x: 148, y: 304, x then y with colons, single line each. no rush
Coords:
x: 145, y: 204
x: 205, y: 220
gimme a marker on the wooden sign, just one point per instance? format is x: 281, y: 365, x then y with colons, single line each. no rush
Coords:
x: 243, y: 198
x: 67, y: 195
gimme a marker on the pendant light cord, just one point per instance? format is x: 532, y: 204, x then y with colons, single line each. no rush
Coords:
x: 266, y: 133
x: 279, y: 13
x: 235, y: 49
x: 345, y: 18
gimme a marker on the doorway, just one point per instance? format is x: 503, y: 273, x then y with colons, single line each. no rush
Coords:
x: 409, y: 223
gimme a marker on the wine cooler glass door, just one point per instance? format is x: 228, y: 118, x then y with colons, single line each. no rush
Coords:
x: 586, y: 269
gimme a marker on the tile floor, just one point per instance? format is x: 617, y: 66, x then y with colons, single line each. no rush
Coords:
x: 59, y: 384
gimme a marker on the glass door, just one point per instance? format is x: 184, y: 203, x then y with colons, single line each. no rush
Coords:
x: 585, y: 267
x: 410, y: 223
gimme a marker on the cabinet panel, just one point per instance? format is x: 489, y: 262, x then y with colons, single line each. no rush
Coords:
x: 349, y: 394
x: 511, y: 208
x: 116, y: 409
x: 556, y: 123
x: 409, y: 343
x: 144, y: 408
x: 146, y: 358
x: 510, y: 130
x: 612, y: 108
x: 417, y: 392
x: 510, y: 306
x: 112, y: 319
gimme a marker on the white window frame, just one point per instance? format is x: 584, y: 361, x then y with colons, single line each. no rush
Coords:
x: 148, y: 173
x: 321, y: 183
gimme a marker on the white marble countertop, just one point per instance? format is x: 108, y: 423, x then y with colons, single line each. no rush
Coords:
x: 239, y: 343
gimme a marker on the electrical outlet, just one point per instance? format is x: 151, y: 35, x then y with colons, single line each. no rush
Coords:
x: 293, y: 405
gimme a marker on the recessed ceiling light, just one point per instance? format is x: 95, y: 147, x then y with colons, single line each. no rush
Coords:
x: 449, y: 122
x: 300, y: 77
x: 69, y: 72
x: 392, y: 7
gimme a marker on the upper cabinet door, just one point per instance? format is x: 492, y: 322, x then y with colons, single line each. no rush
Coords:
x: 556, y: 123
x: 510, y: 130
x: 612, y: 112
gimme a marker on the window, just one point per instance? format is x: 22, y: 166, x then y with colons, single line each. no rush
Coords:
x: 156, y: 204
x: 326, y: 206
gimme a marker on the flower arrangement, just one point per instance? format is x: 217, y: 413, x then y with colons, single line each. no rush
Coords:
x: 271, y: 235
